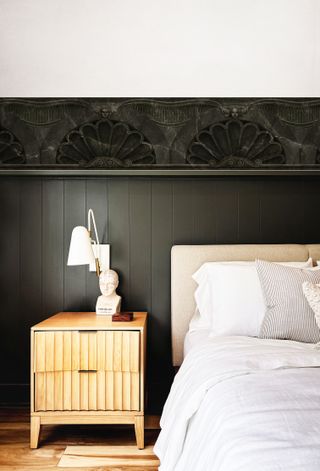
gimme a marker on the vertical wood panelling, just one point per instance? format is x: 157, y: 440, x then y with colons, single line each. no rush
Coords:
x: 30, y: 265
x: 310, y: 201
x: 74, y: 215
x: 162, y: 235
x: 282, y: 211
x: 52, y: 246
x: 205, y: 215
x: 159, y: 320
x: 11, y: 324
x: 144, y: 218
x: 140, y: 244
x: 182, y: 212
x: 226, y: 195
x: 96, y: 199
x: 119, y: 230
x: 249, y: 212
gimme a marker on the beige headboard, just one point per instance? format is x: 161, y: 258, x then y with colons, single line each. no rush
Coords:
x: 186, y: 259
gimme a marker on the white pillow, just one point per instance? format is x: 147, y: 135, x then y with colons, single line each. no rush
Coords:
x: 312, y: 293
x: 229, y: 298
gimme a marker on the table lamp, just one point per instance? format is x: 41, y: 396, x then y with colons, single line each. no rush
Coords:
x: 83, y: 249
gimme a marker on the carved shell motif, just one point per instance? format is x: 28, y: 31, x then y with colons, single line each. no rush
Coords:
x: 235, y: 143
x: 11, y: 150
x: 105, y: 143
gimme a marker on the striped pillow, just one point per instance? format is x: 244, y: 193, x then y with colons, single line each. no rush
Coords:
x: 288, y: 314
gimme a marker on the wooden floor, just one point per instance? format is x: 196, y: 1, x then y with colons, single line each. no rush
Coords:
x: 15, y: 453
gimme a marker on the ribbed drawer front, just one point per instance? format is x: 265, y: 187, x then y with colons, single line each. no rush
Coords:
x: 118, y: 351
x: 79, y: 390
x: 87, y: 370
x: 87, y: 350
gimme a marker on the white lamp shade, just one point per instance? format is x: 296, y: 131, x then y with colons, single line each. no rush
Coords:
x: 80, y: 250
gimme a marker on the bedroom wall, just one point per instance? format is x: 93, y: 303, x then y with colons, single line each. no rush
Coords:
x: 159, y: 48
x: 142, y: 218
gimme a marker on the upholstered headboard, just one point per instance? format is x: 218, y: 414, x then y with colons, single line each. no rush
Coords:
x: 186, y: 259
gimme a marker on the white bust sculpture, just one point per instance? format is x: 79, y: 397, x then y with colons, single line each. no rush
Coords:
x: 109, y: 302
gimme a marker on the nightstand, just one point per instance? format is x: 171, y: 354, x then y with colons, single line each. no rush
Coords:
x: 86, y: 369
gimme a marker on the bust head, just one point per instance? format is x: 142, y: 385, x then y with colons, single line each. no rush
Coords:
x: 108, y: 282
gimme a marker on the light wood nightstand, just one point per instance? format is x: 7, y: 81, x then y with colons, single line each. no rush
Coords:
x: 86, y: 369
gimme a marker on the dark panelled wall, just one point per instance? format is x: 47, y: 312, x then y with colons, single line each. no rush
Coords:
x: 142, y: 218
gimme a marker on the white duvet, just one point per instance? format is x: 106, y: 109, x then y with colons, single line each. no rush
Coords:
x: 240, y: 403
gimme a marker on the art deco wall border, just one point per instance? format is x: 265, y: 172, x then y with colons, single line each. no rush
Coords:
x: 160, y: 137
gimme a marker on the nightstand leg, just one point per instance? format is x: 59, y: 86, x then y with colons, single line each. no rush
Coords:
x: 34, y: 432
x: 139, y: 430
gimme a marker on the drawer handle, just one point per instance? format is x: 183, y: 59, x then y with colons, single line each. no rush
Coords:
x: 87, y: 371
x: 87, y: 331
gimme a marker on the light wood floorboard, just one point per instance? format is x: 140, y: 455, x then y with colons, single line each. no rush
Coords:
x: 16, y: 455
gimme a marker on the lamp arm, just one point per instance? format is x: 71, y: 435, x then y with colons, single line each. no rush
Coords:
x: 91, y: 216
x: 95, y: 242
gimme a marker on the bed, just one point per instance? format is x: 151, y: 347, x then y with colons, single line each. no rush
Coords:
x: 237, y: 402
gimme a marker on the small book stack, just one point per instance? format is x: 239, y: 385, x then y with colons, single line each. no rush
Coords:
x: 122, y: 317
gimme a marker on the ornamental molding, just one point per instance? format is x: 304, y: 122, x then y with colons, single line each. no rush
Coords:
x: 11, y: 149
x: 105, y: 144
x: 235, y: 143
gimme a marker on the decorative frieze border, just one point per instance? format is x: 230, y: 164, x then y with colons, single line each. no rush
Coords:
x: 149, y: 136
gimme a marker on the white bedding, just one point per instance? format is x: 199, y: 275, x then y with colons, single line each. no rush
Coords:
x: 194, y: 338
x: 240, y: 403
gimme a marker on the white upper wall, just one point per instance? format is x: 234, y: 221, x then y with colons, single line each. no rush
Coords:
x: 159, y: 48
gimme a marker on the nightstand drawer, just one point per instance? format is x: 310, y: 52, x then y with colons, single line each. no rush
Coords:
x: 59, y: 351
x: 85, y: 391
